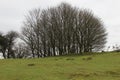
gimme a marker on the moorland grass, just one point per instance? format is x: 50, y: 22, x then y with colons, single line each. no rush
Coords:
x: 89, y: 67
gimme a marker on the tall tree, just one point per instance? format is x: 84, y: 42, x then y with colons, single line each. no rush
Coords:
x: 31, y: 31
x: 3, y: 45
x: 11, y: 37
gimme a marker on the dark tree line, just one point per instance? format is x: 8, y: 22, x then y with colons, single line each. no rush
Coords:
x: 7, y: 44
x: 63, y: 30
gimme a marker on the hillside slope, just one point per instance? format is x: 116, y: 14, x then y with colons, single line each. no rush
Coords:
x: 94, y: 67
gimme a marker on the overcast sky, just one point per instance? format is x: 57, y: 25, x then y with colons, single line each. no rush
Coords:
x: 12, y: 13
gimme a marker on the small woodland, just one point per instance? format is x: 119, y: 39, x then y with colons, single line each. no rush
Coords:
x: 55, y: 31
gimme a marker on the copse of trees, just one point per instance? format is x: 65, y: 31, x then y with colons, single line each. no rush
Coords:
x: 7, y: 44
x: 63, y: 30
x: 55, y: 31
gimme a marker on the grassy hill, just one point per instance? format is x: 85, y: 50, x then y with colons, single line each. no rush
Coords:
x: 93, y: 67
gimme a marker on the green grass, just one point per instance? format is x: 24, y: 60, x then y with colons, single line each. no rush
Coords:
x: 100, y: 67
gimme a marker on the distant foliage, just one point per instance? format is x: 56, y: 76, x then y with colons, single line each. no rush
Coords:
x: 7, y: 42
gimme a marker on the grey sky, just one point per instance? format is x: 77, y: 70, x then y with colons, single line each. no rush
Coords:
x: 12, y: 13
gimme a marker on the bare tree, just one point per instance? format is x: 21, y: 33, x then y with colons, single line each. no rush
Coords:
x: 31, y: 31
x: 28, y: 37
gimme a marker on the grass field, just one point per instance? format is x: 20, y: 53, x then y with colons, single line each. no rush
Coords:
x: 92, y: 67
